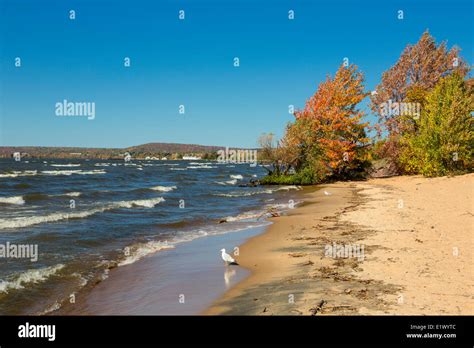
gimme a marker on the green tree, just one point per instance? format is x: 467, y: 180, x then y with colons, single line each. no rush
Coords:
x: 444, y: 139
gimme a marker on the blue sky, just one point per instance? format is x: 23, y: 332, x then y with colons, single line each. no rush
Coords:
x: 190, y: 62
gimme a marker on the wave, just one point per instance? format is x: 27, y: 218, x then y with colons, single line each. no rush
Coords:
x: 139, y: 251
x: 15, y: 174
x: 239, y: 177
x: 71, y: 194
x: 65, y: 165
x: 18, y: 200
x: 251, y: 193
x: 163, y: 188
x: 41, y: 196
x: 230, y: 182
x: 35, y: 220
x: 201, y: 167
x: 31, y: 276
x: 178, y: 168
x: 71, y: 172
x: 245, y: 216
x: 147, y: 203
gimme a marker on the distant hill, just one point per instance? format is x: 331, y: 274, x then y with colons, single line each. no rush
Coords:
x: 159, y: 150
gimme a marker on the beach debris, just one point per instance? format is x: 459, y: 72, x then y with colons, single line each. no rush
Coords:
x: 309, y: 263
x: 304, y: 238
x: 348, y: 291
x: 229, y: 260
x: 271, y: 212
x: 342, y: 307
x: 318, y: 308
x: 326, y: 193
x: 264, y: 310
x: 296, y: 311
x: 297, y: 254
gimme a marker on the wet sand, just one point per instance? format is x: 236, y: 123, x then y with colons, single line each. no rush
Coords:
x: 417, y: 238
x: 180, y: 281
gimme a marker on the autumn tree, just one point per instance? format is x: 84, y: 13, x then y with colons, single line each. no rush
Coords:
x: 416, y: 72
x: 328, y: 134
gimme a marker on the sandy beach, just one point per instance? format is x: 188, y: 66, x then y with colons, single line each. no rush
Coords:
x: 413, y: 252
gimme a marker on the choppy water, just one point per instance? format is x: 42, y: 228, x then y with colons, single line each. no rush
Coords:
x: 89, y: 216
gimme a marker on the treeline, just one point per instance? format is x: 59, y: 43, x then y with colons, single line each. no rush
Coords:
x: 424, y: 105
x: 138, y: 152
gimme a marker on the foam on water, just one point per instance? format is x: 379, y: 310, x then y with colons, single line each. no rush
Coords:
x: 15, y: 174
x: 139, y: 251
x: 252, y: 193
x: 18, y: 200
x: 200, y: 167
x: 163, y: 188
x: 229, y: 182
x: 71, y: 172
x: 33, y: 276
x: 34, y: 220
x: 65, y: 165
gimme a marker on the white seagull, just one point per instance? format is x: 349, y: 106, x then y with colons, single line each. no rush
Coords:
x: 229, y: 260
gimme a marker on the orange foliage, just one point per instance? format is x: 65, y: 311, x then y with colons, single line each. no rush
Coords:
x: 328, y: 132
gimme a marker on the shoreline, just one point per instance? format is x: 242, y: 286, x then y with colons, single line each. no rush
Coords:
x: 415, y: 243
x: 179, y: 281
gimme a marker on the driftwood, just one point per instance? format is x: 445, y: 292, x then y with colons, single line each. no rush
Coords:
x: 318, y: 308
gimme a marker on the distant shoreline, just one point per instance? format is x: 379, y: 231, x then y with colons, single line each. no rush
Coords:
x: 154, y: 151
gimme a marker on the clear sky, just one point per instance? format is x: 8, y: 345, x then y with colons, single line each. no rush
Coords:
x: 190, y: 62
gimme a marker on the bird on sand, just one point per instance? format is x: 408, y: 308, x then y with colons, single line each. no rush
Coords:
x: 229, y: 260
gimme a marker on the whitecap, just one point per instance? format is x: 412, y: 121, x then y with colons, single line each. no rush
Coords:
x: 31, y: 276
x: 18, y: 200
x: 163, y: 188
x: 65, y: 165
x: 35, y: 220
